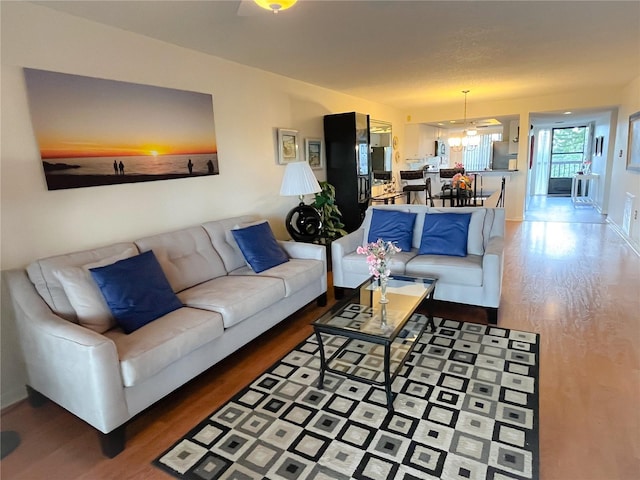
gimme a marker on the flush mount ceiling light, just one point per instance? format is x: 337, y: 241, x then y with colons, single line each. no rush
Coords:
x: 470, y: 140
x: 276, y: 5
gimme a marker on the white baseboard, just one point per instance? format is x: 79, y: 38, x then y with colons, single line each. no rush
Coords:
x: 618, y: 229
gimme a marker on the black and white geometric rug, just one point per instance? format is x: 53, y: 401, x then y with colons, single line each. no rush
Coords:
x: 466, y: 407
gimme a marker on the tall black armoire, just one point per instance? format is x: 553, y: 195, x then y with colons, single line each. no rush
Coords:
x: 346, y: 137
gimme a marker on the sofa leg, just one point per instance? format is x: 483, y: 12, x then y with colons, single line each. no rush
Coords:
x: 322, y: 300
x: 338, y: 292
x: 36, y: 399
x: 492, y: 315
x: 112, y: 443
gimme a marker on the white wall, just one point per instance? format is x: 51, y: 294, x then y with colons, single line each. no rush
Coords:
x: 249, y: 106
x: 623, y: 180
x: 419, y: 141
x: 603, y: 127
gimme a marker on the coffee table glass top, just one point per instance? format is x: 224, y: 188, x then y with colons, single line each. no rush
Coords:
x: 382, y: 320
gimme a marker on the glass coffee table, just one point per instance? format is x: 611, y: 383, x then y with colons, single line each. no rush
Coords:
x: 370, y: 326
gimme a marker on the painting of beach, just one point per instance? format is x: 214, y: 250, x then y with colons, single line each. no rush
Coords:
x: 100, y: 132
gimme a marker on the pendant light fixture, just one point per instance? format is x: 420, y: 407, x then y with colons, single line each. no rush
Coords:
x: 470, y: 139
x: 275, y: 5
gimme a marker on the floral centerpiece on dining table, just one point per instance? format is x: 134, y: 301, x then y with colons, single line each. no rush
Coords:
x: 461, y: 181
x: 379, y: 255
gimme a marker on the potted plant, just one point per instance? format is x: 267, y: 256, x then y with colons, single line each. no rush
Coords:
x: 332, y: 226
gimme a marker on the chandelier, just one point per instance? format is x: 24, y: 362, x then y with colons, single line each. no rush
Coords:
x: 470, y: 138
x: 275, y: 5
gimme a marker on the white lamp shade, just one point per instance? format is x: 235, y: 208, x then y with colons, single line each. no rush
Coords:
x: 299, y: 180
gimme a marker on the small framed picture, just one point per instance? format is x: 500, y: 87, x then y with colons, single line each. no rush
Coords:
x: 313, y: 149
x: 287, y: 146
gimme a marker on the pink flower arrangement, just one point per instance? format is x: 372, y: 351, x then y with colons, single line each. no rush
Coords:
x: 461, y: 181
x: 378, y: 256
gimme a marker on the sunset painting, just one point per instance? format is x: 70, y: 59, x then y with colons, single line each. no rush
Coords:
x: 99, y: 132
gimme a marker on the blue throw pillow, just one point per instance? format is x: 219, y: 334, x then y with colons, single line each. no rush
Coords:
x: 136, y: 290
x: 445, y: 234
x: 259, y: 247
x: 392, y: 226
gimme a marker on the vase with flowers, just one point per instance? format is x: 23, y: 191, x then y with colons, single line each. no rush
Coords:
x: 461, y: 181
x: 379, y: 255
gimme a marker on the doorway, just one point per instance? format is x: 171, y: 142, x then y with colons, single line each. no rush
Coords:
x: 559, y: 153
x: 568, y: 145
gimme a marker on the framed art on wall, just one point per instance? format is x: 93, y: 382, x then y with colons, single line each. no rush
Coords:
x: 633, y: 148
x: 287, y: 146
x: 313, y: 151
x: 94, y: 131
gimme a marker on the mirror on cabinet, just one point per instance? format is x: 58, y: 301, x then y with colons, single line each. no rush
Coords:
x: 381, y: 151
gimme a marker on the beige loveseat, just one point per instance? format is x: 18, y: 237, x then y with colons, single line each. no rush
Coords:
x: 474, y: 279
x: 107, y: 378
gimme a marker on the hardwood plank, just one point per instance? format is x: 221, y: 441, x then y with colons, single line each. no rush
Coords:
x: 577, y: 284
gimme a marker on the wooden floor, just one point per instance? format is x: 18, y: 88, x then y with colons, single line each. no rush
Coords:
x: 577, y: 284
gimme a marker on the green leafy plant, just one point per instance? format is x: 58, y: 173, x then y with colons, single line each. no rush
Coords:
x: 332, y: 226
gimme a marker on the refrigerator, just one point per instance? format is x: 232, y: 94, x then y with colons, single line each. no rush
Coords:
x: 500, y: 156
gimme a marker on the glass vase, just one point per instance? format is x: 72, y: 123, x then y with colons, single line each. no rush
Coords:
x: 384, y: 280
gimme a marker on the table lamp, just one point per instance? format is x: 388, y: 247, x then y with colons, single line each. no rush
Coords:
x: 303, y: 222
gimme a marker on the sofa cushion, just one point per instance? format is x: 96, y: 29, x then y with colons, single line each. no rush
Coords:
x: 85, y: 296
x: 259, y: 246
x: 155, y: 346
x: 232, y: 241
x: 296, y: 273
x: 448, y: 269
x: 219, y: 231
x: 235, y: 297
x: 49, y: 287
x: 477, y: 226
x: 392, y: 226
x: 136, y: 290
x: 368, y: 215
x: 357, y: 263
x: 445, y: 234
x: 187, y: 256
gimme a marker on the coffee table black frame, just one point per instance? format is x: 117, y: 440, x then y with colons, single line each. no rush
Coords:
x: 410, y: 303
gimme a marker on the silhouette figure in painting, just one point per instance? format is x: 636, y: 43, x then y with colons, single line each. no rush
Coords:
x: 115, y: 166
x: 121, y: 167
x: 190, y: 166
x: 210, y: 166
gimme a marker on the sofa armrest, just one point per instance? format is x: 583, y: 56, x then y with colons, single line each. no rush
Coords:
x: 339, y: 249
x: 74, y: 366
x: 492, y: 268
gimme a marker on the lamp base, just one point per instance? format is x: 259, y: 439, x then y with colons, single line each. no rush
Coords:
x: 303, y: 223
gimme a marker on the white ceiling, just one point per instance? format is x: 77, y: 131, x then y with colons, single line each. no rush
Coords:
x: 403, y: 53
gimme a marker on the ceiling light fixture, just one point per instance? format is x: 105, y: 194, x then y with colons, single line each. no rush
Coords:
x: 470, y: 140
x: 274, y: 5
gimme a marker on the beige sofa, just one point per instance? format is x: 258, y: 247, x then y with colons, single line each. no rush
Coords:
x: 108, y: 378
x: 474, y: 279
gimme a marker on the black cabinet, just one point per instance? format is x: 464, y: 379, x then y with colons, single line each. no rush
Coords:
x: 346, y: 138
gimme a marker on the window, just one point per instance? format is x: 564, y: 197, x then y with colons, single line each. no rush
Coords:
x: 479, y: 158
x: 567, y: 151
